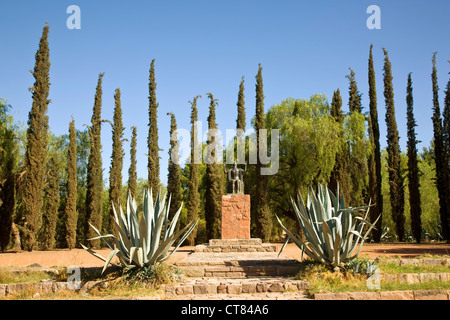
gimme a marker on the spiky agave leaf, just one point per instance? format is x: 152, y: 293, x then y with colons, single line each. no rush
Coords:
x: 139, y: 242
x: 331, y: 231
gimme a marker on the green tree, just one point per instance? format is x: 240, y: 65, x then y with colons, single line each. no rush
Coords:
x: 94, y: 203
x: 309, y: 145
x: 214, y: 177
x: 152, y: 141
x: 358, y: 144
x: 9, y: 156
x: 260, y: 201
x: 71, y: 198
x: 393, y: 150
x: 115, y: 173
x: 174, y: 170
x: 132, y: 174
x: 193, y: 195
x: 374, y: 159
x: 413, y: 168
x: 51, y: 207
x: 36, y: 151
x: 339, y: 175
x: 240, y: 121
x: 439, y: 152
x: 446, y: 143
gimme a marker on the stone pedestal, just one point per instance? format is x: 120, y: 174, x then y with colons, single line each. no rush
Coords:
x: 236, y: 216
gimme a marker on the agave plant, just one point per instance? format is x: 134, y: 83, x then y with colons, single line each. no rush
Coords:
x: 331, y: 231
x: 144, y: 241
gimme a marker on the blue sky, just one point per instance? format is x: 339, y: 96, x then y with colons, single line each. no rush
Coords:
x: 305, y: 47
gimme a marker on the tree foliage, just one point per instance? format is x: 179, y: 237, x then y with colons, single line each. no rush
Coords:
x: 71, y: 197
x: 36, y: 151
x: 393, y: 151
x: 174, y: 170
x: 152, y: 141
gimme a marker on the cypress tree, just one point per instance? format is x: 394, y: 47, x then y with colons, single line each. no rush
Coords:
x: 354, y: 99
x: 72, y: 185
x: 439, y: 153
x: 193, y: 200
x: 115, y: 172
x: 393, y: 151
x: 51, y: 208
x: 36, y: 151
x: 339, y: 174
x: 374, y: 160
x: 240, y: 121
x: 446, y: 143
x: 174, y: 170
x: 153, y: 149
x: 413, y: 169
x: 260, y: 203
x: 95, y: 171
x: 214, y: 179
x: 132, y: 174
x: 357, y: 163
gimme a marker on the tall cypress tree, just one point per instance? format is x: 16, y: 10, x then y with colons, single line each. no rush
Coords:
x: 261, y: 199
x: 152, y: 141
x: 95, y: 171
x: 72, y: 184
x: 374, y: 160
x: 393, y: 151
x: 339, y: 175
x: 115, y: 173
x: 354, y: 96
x: 132, y: 174
x: 174, y: 170
x: 240, y: 121
x: 193, y: 195
x: 50, y: 215
x: 36, y: 151
x: 446, y: 143
x: 357, y: 163
x: 214, y: 179
x: 439, y: 152
x: 413, y: 169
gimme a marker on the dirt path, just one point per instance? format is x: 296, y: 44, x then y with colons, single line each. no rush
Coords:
x: 79, y: 257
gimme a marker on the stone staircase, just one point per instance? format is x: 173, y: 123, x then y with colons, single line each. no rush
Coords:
x: 237, y: 269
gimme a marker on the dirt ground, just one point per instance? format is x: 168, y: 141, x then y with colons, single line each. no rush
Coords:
x: 81, y: 258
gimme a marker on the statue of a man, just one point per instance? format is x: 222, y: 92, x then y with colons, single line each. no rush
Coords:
x: 235, y: 179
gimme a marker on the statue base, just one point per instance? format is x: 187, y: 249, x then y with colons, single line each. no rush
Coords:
x: 236, y: 216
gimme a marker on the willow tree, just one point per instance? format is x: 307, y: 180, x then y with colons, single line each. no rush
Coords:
x: 152, y: 140
x: 214, y: 176
x: 115, y: 172
x: 174, y: 170
x: 9, y: 163
x: 374, y: 159
x: 413, y: 168
x: 95, y: 171
x: 132, y: 173
x: 37, y: 141
x: 393, y: 153
x: 72, y: 185
x: 439, y: 153
x: 193, y: 195
x: 260, y: 201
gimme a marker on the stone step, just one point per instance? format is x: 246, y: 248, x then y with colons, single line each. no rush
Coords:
x: 238, y: 265
x: 236, y: 245
x: 233, y: 286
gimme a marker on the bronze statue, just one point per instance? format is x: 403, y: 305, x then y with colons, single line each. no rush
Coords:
x: 235, y: 177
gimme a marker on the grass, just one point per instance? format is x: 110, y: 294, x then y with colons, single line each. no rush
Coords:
x: 323, y: 279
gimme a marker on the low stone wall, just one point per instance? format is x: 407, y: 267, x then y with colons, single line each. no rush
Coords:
x: 387, y: 295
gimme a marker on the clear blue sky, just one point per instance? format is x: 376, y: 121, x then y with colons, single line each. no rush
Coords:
x: 305, y: 47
